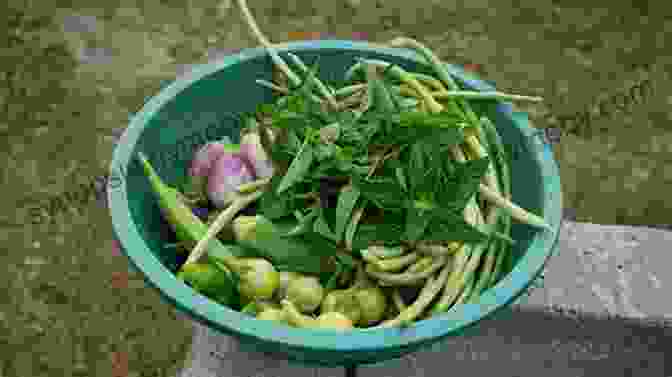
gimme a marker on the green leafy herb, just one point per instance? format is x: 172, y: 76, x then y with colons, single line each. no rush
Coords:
x: 301, y: 253
x: 462, y: 184
x: 385, y: 233
x: 384, y: 193
x: 417, y: 220
x: 299, y: 167
x: 347, y: 200
x: 450, y: 226
x: 273, y: 205
x: 321, y: 227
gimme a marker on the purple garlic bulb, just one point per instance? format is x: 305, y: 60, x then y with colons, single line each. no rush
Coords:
x: 251, y: 148
x: 206, y: 156
x: 228, y: 172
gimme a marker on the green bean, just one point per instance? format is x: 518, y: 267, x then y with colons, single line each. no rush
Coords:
x: 501, y: 163
x: 420, y: 265
x: 384, y: 252
x: 398, y: 300
x: 403, y: 76
x: 368, y: 256
x: 222, y: 220
x: 404, y: 278
x: 467, y: 259
x: 468, y: 292
x: 433, y: 60
x: 349, y: 90
x: 512, y: 209
x: 378, y: 94
x: 435, y: 249
x: 318, y: 83
x: 261, y: 38
x: 499, y: 96
x: 427, y: 294
x: 503, y: 252
x: 397, y: 263
x: 487, y: 267
x: 283, y: 90
x: 430, y: 80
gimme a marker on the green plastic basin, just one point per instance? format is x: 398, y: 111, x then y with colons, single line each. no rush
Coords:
x: 206, y: 105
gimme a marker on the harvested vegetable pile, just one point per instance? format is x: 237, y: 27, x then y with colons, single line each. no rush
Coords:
x: 378, y: 203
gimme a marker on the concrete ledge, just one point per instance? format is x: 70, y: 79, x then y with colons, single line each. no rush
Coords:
x: 599, y: 308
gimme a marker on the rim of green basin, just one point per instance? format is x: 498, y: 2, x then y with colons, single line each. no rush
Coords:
x: 219, y: 316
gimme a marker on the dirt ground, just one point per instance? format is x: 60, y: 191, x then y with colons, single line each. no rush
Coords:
x: 73, y: 71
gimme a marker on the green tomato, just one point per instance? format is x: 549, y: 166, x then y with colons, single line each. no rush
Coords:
x: 373, y: 305
x: 306, y: 293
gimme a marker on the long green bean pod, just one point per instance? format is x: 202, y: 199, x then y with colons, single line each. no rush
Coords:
x: 349, y: 90
x: 469, y: 290
x: 501, y: 163
x: 441, y: 71
x: 283, y: 90
x: 224, y: 219
x: 261, y: 38
x: 434, y: 249
x: 503, y: 254
x: 404, y: 278
x: 384, y: 252
x: 468, y: 257
x: 420, y: 265
x: 512, y: 209
x: 318, y: 83
x: 397, y: 263
x: 485, y: 276
x: 432, y: 288
x: 492, y: 95
x: 431, y: 81
x: 401, y: 75
x: 398, y: 300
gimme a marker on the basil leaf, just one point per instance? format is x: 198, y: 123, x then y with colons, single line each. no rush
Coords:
x: 417, y: 220
x: 298, y: 168
x: 274, y: 206
x: 448, y: 226
x: 386, y: 233
x: 302, y: 253
x: 347, y: 200
x: 321, y: 227
x: 462, y: 184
